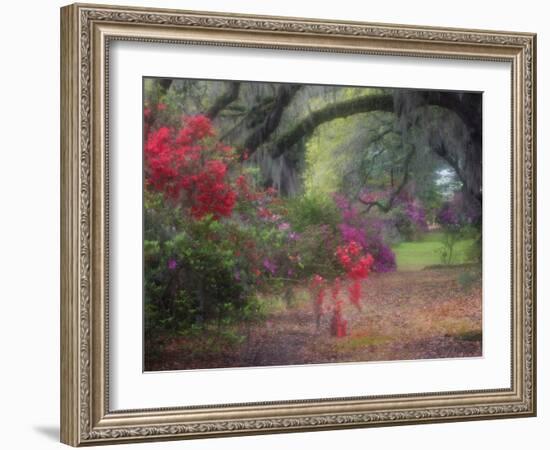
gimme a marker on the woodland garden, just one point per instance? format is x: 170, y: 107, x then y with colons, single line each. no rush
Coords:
x: 307, y: 224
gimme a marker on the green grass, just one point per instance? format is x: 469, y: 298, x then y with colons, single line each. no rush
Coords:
x: 425, y: 252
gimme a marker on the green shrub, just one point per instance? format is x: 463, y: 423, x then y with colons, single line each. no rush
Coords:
x: 312, y: 209
x: 317, y: 247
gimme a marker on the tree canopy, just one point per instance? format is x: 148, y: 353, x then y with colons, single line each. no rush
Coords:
x: 375, y: 138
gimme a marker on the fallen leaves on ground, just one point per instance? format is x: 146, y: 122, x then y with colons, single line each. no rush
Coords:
x: 404, y: 316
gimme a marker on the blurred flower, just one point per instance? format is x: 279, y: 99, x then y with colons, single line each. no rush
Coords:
x: 458, y: 212
x: 318, y: 279
x: 368, y: 233
x: 284, y: 226
x: 269, y: 266
x: 416, y: 214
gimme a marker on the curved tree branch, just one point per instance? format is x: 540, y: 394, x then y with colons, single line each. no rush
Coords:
x: 224, y: 100
x: 358, y: 169
x: 345, y: 108
x: 389, y: 205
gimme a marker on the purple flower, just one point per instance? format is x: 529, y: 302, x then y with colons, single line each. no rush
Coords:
x: 370, y: 239
x: 416, y: 214
x: 458, y: 212
x: 293, y: 236
x: 351, y: 233
x: 269, y: 266
x: 341, y: 201
x: 349, y: 212
x: 237, y: 275
x: 446, y: 215
x: 284, y: 226
x: 384, y: 259
x: 369, y: 231
x: 172, y: 264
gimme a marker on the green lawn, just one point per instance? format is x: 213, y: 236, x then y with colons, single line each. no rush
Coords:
x: 425, y: 252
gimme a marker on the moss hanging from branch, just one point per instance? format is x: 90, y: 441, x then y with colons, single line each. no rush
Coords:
x: 272, y: 118
x: 307, y: 126
x: 225, y: 100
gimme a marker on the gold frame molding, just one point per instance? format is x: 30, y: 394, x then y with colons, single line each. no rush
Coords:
x: 86, y: 31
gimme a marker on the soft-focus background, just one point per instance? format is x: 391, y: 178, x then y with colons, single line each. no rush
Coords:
x: 29, y: 231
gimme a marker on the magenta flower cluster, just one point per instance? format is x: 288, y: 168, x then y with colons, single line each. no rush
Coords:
x: 368, y: 232
x: 457, y: 212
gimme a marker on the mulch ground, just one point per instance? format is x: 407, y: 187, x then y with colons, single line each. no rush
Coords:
x: 404, y: 315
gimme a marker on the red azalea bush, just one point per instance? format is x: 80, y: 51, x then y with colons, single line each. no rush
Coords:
x: 212, y: 236
x: 357, y: 266
x: 190, y: 168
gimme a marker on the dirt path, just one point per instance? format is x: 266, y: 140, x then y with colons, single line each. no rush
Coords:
x: 404, y: 315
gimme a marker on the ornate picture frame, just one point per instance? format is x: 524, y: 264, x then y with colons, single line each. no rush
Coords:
x: 87, y: 31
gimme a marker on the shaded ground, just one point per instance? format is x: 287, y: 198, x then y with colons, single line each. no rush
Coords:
x: 404, y: 315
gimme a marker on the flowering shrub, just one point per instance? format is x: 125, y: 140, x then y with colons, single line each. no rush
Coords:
x: 357, y: 266
x: 366, y: 231
x: 413, y: 210
x: 190, y: 170
x: 199, y: 270
x: 410, y: 218
x: 457, y: 212
x: 408, y: 215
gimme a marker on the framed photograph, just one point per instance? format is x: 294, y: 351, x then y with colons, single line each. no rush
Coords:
x: 275, y: 224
